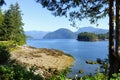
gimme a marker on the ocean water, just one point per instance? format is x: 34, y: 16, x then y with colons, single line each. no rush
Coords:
x: 80, y: 50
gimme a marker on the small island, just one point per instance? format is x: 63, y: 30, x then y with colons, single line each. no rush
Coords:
x: 87, y: 36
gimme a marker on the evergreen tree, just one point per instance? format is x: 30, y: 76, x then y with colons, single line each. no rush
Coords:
x: 1, y: 22
x: 12, y: 25
x: 1, y: 17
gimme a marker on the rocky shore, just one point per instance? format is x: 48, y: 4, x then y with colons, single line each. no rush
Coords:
x: 45, y: 61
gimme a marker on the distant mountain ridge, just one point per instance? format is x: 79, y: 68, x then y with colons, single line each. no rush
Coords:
x: 64, y: 33
x: 92, y: 30
x: 61, y: 33
x: 36, y: 34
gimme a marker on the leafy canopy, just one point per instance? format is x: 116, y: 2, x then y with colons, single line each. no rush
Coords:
x: 77, y: 9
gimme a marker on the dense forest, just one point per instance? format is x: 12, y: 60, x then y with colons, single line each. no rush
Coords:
x: 87, y: 36
x: 11, y: 25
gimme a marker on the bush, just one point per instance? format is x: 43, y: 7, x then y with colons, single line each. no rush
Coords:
x: 60, y: 76
x: 17, y: 72
x: 4, y: 54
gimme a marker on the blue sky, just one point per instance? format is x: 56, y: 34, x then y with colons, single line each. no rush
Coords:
x: 37, y: 18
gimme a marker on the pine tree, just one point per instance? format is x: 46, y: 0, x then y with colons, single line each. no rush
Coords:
x: 13, y: 29
x: 1, y: 22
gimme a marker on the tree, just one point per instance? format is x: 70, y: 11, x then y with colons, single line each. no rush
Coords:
x: 1, y: 22
x: 103, y: 36
x: 2, y: 2
x: 94, y: 10
x: 12, y: 25
x: 1, y: 17
x: 111, y: 38
x: 118, y: 28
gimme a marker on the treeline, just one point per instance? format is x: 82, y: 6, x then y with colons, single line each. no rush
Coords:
x: 87, y: 36
x: 11, y: 25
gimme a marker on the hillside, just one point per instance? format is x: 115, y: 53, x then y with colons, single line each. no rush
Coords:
x: 60, y: 34
x: 63, y: 33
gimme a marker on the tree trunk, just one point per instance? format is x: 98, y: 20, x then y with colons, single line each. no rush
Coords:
x: 114, y: 56
x: 111, y: 39
x: 118, y: 28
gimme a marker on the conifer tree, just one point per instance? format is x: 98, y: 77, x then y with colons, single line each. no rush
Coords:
x: 1, y: 22
x: 12, y: 25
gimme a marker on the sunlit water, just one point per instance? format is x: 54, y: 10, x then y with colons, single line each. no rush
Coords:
x: 80, y: 50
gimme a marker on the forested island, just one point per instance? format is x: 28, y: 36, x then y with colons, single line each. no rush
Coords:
x: 87, y: 36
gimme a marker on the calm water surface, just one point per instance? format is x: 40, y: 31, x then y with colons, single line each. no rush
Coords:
x: 81, y: 51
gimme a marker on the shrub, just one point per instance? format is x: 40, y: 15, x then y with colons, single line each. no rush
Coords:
x: 4, y: 54
x: 17, y: 72
x: 60, y: 76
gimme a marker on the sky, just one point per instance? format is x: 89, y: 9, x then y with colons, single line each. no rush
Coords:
x: 40, y: 19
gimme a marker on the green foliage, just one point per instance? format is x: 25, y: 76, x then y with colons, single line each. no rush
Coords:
x: 60, y: 76
x: 98, y: 76
x: 4, y: 54
x: 103, y: 36
x: 116, y: 76
x: 77, y: 9
x: 2, y: 2
x: 10, y: 45
x: 11, y: 28
x: 86, y: 36
x: 11, y: 70
x: 1, y: 18
x: 17, y: 72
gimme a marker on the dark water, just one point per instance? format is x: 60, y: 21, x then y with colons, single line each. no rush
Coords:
x: 81, y: 51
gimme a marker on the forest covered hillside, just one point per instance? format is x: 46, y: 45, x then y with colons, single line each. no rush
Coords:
x: 60, y: 34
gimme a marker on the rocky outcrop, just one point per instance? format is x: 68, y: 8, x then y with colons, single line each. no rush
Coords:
x: 45, y: 61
